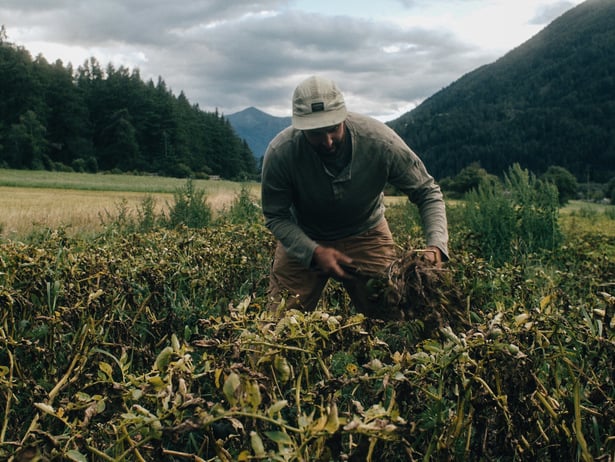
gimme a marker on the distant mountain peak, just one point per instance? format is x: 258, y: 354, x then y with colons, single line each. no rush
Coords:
x: 257, y: 128
x: 250, y: 110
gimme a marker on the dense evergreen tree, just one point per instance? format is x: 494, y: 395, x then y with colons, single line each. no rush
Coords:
x: 52, y: 117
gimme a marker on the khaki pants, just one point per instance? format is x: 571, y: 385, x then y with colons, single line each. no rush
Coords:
x: 372, y: 252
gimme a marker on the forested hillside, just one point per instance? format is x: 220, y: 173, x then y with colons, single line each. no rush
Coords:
x: 108, y: 119
x: 550, y: 101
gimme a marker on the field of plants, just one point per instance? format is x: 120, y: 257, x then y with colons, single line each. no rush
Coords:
x: 81, y: 203
x: 150, y: 340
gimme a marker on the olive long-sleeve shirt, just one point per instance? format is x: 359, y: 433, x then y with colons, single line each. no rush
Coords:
x: 303, y: 202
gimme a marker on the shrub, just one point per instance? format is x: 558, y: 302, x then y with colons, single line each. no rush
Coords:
x: 121, y: 222
x: 610, y: 190
x: 513, y: 220
x: 566, y: 183
x: 79, y: 165
x: 146, y: 214
x: 469, y: 178
x: 189, y: 208
x: 244, y: 209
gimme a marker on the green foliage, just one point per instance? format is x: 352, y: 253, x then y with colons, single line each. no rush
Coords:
x: 515, y: 219
x: 189, y: 208
x: 146, y: 214
x: 25, y: 142
x: 547, y: 102
x: 469, y: 178
x: 404, y: 217
x: 55, y: 118
x: 244, y: 208
x: 121, y: 221
x: 490, y: 217
x: 566, y: 183
x: 157, y: 346
x: 610, y: 190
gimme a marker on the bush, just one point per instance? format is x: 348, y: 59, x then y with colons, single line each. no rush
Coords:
x: 610, y: 190
x: 146, y: 214
x: 513, y: 220
x: 244, y: 209
x: 566, y: 183
x: 190, y: 208
x: 468, y: 179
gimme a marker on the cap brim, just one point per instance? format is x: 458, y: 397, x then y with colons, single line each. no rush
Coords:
x: 317, y: 120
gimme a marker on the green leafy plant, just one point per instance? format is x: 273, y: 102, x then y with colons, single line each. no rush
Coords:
x: 244, y: 208
x: 158, y: 346
x: 514, y: 219
x: 189, y: 208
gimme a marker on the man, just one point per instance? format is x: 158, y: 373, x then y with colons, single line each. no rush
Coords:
x: 322, y: 195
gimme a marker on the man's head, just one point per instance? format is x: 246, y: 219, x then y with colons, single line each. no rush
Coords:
x: 318, y: 103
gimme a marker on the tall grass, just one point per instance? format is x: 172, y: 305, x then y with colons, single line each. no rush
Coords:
x: 83, y: 204
x: 513, y: 219
x: 109, y: 182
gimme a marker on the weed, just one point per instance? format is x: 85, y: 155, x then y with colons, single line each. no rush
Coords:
x: 146, y: 214
x: 514, y: 219
x: 157, y: 346
x: 189, y: 208
x: 244, y: 208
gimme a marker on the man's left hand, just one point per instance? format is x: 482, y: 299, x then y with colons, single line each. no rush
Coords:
x: 433, y: 254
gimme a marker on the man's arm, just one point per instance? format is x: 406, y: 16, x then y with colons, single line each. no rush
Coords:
x: 276, y: 199
x: 409, y: 174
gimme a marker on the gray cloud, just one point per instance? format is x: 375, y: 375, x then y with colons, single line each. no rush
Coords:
x: 259, y: 60
x: 548, y: 13
x: 234, y: 54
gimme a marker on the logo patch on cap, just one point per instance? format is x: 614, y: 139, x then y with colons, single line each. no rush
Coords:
x: 318, y: 107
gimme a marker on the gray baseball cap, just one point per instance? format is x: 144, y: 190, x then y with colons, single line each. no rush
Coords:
x: 317, y: 103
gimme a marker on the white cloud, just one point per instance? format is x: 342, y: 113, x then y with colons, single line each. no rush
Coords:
x: 387, y: 56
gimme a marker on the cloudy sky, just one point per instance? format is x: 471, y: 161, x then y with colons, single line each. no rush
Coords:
x: 386, y: 55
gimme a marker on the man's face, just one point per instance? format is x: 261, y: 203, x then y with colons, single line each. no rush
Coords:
x: 326, y: 140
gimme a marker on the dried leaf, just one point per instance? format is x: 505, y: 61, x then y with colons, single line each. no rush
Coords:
x: 257, y: 444
x: 230, y: 387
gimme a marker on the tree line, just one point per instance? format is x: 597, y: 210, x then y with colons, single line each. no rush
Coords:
x: 96, y: 119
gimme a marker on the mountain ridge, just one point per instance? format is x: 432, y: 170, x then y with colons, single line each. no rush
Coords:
x: 549, y: 101
x: 257, y: 128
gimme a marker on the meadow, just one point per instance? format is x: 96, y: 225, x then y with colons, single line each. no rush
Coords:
x: 118, y: 344
x: 82, y: 203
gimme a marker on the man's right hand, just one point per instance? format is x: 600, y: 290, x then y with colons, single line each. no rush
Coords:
x: 330, y: 261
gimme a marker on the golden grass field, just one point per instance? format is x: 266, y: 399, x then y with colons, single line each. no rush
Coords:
x: 24, y: 209
x: 81, y: 203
